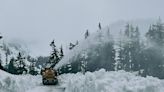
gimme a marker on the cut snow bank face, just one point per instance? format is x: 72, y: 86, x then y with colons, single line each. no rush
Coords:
x: 117, y: 81
x: 99, y: 81
x: 16, y: 83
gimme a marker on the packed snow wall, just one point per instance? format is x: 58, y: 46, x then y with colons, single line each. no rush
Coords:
x: 17, y: 83
x: 116, y: 81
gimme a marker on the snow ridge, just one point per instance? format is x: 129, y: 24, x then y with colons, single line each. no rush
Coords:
x: 99, y: 81
x: 17, y: 83
x: 115, y: 81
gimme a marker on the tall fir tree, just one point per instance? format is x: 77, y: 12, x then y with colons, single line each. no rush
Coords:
x: 1, y: 67
x: 61, y: 52
x: 155, y: 35
x: 99, y: 26
x: 11, y: 67
x: 7, y: 53
x: 119, y: 64
x: 130, y: 49
x: 21, y: 68
x: 54, y: 57
x: 152, y: 56
x: 86, y: 34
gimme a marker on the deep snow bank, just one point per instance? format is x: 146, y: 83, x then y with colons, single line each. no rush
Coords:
x: 99, y: 81
x: 16, y: 83
x: 118, y: 81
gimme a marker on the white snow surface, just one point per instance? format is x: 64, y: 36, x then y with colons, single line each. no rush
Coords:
x: 17, y: 83
x: 117, y: 81
x: 99, y: 81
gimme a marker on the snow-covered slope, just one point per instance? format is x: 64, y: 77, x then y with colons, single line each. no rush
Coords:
x: 16, y: 83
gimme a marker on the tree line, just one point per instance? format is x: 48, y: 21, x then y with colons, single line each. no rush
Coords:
x: 132, y: 53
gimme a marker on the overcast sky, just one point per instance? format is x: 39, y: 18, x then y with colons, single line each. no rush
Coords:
x: 37, y: 22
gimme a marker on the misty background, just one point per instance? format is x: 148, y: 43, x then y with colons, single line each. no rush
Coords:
x: 35, y: 23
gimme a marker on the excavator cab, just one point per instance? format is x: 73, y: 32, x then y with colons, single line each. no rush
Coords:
x: 49, y: 76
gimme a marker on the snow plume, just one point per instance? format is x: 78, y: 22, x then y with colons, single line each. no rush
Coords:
x: 115, y: 81
x: 16, y: 83
x: 12, y: 49
x: 89, y: 47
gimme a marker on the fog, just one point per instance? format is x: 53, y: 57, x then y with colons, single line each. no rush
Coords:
x: 37, y: 22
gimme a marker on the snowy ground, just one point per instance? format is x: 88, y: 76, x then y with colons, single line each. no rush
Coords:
x: 46, y: 89
x: 15, y: 83
x: 99, y: 81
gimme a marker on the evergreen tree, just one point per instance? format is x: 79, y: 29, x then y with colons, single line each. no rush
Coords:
x: 54, y: 57
x: 86, y: 34
x: 83, y: 63
x: 108, y: 32
x: 7, y: 53
x: 21, y: 67
x: 127, y: 62
x: 136, y: 49
x: 99, y: 26
x: 77, y: 42
x: 155, y: 35
x: 83, y: 66
x: 152, y: 56
x: 61, y: 52
x: 41, y: 61
x: 120, y: 58
x: 71, y: 46
x: 32, y: 69
x: 130, y: 49
x: 1, y: 67
x: 1, y: 36
x: 11, y: 67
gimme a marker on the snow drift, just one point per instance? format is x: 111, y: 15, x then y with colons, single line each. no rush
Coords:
x: 117, y: 81
x: 17, y: 83
x: 99, y: 81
